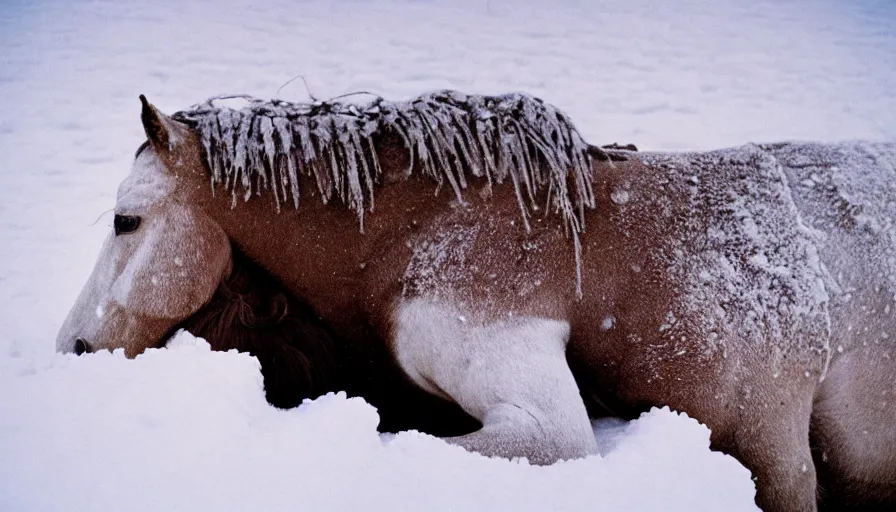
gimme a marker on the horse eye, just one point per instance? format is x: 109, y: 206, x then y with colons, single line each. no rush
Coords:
x: 126, y: 224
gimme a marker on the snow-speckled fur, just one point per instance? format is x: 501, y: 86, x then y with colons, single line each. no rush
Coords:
x: 846, y: 195
x: 750, y: 269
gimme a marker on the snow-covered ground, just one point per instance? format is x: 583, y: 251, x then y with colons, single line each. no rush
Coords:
x: 186, y: 429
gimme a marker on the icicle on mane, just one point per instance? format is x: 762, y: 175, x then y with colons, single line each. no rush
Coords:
x: 266, y: 145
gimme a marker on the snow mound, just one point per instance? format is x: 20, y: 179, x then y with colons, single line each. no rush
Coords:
x: 185, y: 428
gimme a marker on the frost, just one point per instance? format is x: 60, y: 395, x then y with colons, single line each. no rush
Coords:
x: 620, y: 196
x: 608, y: 323
x: 777, y: 238
x: 146, y: 185
x: 668, y: 322
x: 436, y: 264
x: 515, y: 137
x: 851, y: 211
x: 747, y: 268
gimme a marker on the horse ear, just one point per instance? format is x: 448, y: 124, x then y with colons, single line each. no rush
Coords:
x: 162, y: 131
x: 153, y: 124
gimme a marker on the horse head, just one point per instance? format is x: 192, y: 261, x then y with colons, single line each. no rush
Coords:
x: 164, y: 258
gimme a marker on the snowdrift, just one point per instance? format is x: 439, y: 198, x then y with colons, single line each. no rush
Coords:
x: 185, y: 428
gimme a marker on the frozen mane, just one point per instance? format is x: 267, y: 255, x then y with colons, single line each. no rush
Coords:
x: 268, y: 144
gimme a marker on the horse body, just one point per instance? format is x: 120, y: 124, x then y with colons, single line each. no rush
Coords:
x: 733, y: 328
x: 706, y: 284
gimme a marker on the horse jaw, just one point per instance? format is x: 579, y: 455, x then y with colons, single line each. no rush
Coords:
x: 146, y: 282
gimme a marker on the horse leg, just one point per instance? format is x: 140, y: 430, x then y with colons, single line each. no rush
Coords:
x: 511, y: 375
x: 771, y: 438
x: 853, y: 434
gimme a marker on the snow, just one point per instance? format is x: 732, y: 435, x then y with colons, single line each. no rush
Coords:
x: 187, y: 429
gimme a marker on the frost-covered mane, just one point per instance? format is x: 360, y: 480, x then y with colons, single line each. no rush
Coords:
x: 267, y: 145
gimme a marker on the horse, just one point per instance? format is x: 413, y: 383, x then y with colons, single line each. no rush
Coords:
x: 751, y: 287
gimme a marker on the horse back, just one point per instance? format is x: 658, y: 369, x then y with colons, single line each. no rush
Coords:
x: 846, y: 195
x: 702, y: 285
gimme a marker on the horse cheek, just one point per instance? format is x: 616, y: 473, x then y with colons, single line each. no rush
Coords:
x: 175, y: 269
x: 197, y: 260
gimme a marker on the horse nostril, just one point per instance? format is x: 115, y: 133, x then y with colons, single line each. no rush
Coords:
x: 81, y: 346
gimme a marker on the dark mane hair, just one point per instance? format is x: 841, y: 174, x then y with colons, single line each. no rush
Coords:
x: 251, y: 312
x: 302, y: 358
x: 450, y: 136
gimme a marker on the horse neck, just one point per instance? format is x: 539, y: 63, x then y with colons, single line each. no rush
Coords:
x: 317, y: 251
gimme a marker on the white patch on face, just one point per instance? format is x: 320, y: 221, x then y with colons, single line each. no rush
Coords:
x: 147, y: 184
x: 166, y: 227
x: 100, y: 311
